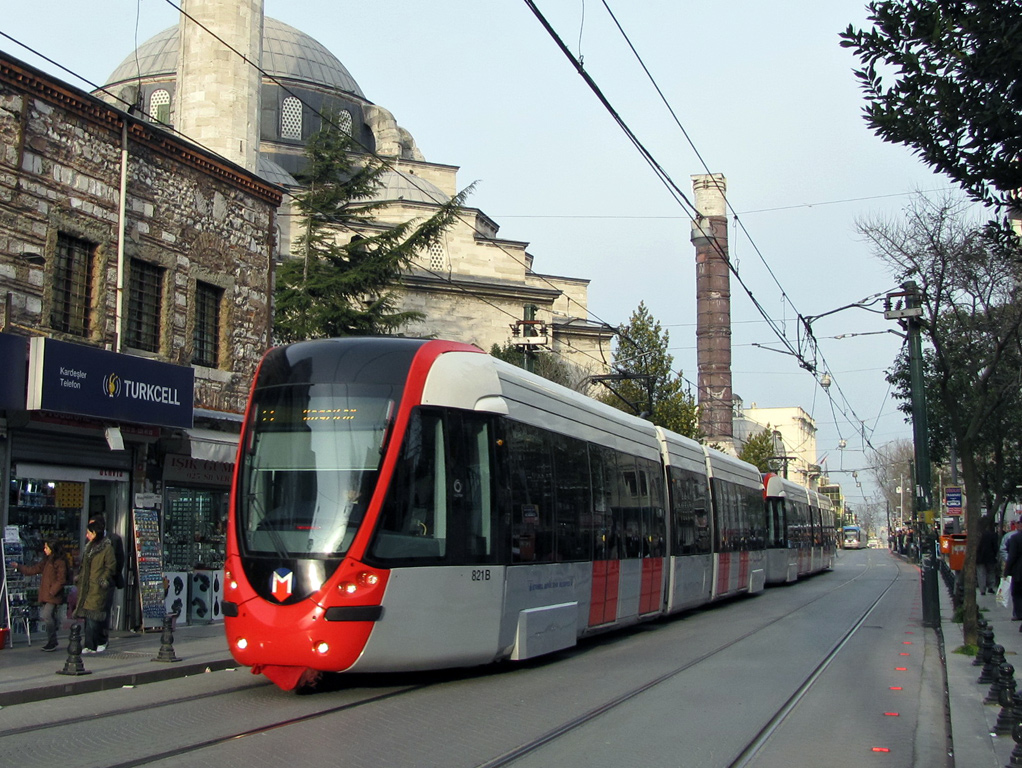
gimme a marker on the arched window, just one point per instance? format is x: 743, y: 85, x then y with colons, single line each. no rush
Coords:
x: 344, y: 121
x: 291, y: 119
x: 159, y: 106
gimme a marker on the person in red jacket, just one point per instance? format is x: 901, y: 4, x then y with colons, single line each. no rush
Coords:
x: 53, y: 568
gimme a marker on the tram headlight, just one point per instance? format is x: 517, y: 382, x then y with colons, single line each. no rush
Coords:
x: 367, y: 579
x: 241, y: 644
x: 322, y: 648
x: 348, y: 587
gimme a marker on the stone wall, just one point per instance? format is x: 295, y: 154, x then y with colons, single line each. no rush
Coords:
x: 198, y: 218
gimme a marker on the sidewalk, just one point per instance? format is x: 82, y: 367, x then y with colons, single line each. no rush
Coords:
x: 29, y: 674
x: 976, y: 745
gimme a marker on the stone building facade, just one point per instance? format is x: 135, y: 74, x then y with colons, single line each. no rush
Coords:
x: 476, y: 288
x: 200, y: 222
x: 135, y: 271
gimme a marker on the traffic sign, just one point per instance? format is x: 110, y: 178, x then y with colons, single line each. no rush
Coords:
x: 953, y: 499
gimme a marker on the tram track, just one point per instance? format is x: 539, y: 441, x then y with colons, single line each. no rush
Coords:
x: 508, y: 757
x: 764, y: 734
x: 155, y: 705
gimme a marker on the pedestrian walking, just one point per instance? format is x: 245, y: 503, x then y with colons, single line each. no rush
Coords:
x: 95, y: 582
x: 986, y: 558
x: 118, y: 577
x: 1002, y: 553
x: 53, y: 569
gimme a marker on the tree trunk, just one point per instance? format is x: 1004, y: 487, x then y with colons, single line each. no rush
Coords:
x: 973, y: 530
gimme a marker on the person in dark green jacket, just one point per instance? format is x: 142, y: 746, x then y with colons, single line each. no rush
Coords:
x: 95, y: 580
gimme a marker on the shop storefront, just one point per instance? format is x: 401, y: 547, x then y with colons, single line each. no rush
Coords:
x: 195, y: 498
x: 85, y: 440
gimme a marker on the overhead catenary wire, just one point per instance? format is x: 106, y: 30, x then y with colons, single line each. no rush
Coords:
x: 439, y: 276
x: 804, y: 323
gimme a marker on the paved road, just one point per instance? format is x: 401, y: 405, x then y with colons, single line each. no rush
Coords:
x: 690, y: 691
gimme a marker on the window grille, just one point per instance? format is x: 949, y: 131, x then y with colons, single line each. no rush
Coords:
x: 72, y: 285
x: 291, y: 119
x: 159, y: 106
x: 344, y: 121
x: 145, y: 305
x: 206, y: 336
x: 437, y: 257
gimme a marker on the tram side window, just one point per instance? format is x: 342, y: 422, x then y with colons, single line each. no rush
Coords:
x: 573, y: 499
x: 631, y: 504
x: 797, y: 524
x: 689, y: 508
x: 654, y: 520
x: 725, y: 515
x: 532, y: 494
x: 413, y: 522
x: 756, y: 517
x: 741, y: 515
x: 606, y: 527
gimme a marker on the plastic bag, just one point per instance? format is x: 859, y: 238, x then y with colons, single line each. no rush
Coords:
x: 1004, y: 592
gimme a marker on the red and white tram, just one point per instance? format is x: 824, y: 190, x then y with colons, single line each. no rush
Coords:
x: 801, y: 538
x: 404, y: 504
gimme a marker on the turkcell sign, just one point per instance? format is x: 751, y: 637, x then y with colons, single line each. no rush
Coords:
x: 73, y: 378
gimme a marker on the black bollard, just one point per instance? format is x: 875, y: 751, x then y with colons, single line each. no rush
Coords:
x: 985, y: 647
x: 167, y: 640
x: 73, y: 665
x: 1004, y: 680
x: 1010, y: 711
x: 958, y: 596
x: 984, y: 644
x: 988, y: 651
x: 990, y: 673
x: 1015, y: 761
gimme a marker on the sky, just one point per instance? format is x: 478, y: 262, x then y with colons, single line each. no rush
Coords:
x: 761, y: 92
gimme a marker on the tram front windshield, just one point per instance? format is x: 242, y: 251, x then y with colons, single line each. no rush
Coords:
x: 312, y: 456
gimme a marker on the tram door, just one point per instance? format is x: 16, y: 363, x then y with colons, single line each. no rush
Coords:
x: 471, y: 489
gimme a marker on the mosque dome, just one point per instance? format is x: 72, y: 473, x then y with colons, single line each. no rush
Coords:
x: 288, y: 54
x: 399, y: 185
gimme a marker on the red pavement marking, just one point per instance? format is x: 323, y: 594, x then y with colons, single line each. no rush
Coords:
x: 897, y: 688
x: 901, y: 669
x: 906, y: 642
x: 881, y: 749
x: 903, y: 654
x: 890, y: 714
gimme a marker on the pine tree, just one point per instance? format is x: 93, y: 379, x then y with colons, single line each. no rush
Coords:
x: 758, y: 450
x: 345, y: 263
x: 651, y: 388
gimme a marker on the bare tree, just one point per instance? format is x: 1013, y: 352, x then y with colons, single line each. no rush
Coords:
x: 969, y: 284
x: 891, y: 467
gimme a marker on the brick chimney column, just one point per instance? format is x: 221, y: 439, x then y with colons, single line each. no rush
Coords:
x: 713, y: 306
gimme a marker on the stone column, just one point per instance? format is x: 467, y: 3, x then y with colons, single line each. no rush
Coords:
x: 216, y: 103
x: 713, y: 306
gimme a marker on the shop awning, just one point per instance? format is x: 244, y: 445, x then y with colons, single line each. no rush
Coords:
x: 210, y: 445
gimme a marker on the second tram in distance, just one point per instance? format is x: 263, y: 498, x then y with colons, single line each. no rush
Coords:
x: 404, y: 504
x: 854, y: 537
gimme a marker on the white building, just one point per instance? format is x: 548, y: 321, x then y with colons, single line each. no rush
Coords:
x: 794, y: 433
